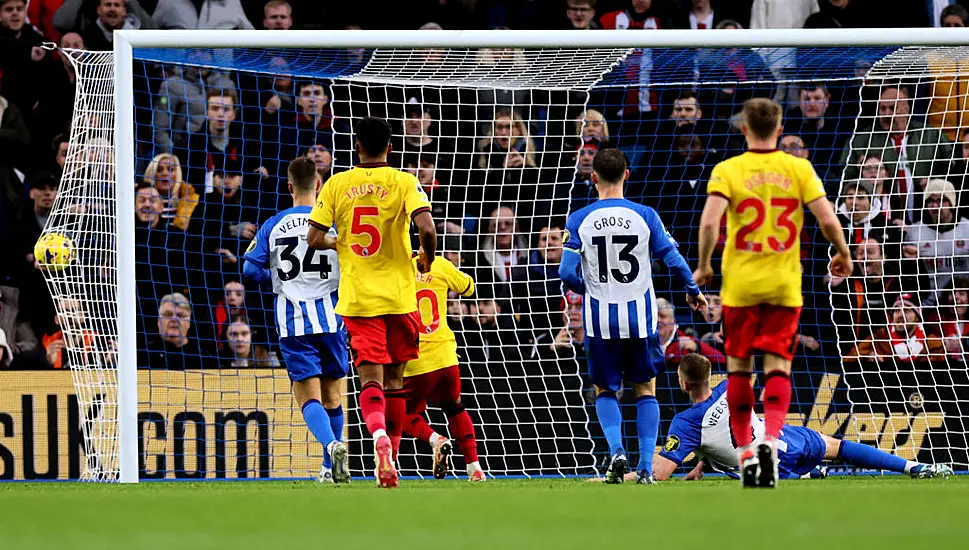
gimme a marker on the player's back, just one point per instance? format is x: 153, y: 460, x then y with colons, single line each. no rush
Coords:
x: 372, y: 206
x: 305, y: 280
x: 438, y: 345
x: 618, y: 240
x: 762, y: 255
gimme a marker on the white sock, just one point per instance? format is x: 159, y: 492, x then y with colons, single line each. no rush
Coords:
x: 435, y: 437
x: 378, y: 434
x: 909, y: 465
x: 474, y: 467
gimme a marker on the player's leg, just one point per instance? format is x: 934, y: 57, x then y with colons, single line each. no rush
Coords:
x: 739, y: 326
x: 335, y: 365
x: 402, y: 346
x: 447, y: 394
x: 645, y: 360
x: 858, y: 454
x: 309, y: 395
x: 368, y: 344
x: 415, y: 391
x: 396, y: 402
x: 606, y: 376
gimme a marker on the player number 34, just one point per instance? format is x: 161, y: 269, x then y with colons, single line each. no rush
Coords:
x: 783, y: 221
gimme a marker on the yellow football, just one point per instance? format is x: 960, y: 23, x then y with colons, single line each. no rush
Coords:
x: 54, y: 251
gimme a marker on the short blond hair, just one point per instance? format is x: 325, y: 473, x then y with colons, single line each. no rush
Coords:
x: 762, y: 116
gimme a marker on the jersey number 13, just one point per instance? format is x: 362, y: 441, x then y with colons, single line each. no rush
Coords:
x: 625, y: 256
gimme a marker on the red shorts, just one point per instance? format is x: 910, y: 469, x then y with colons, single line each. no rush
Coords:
x: 764, y: 327
x: 383, y: 340
x: 442, y: 386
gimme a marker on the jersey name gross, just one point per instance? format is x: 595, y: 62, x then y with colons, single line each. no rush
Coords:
x: 611, y: 221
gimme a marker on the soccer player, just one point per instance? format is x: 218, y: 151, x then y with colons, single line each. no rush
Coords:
x: 435, y: 376
x: 609, y: 250
x: 704, y: 429
x: 311, y: 335
x: 763, y: 193
x: 371, y: 207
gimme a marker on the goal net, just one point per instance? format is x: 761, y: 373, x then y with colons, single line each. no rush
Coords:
x: 502, y: 140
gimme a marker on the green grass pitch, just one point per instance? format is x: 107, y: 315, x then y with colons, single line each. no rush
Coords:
x: 854, y: 513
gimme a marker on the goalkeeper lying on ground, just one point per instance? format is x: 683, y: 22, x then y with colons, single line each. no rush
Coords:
x: 704, y: 429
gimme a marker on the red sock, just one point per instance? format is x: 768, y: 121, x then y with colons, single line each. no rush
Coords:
x: 396, y: 414
x: 777, y: 401
x: 740, y: 401
x: 372, y: 406
x: 418, y: 428
x: 459, y: 422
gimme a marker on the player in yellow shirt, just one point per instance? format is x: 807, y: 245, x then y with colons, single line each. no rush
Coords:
x: 435, y: 376
x: 763, y: 193
x: 371, y: 206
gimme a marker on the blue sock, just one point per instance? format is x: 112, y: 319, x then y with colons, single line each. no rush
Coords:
x: 870, y: 457
x: 317, y: 422
x: 647, y: 426
x: 336, y: 424
x: 610, y: 418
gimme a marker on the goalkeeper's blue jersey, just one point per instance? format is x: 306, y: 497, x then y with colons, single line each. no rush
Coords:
x: 304, y: 280
x: 704, y: 429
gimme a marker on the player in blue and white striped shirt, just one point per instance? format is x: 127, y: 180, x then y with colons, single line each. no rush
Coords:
x: 312, y: 337
x: 609, y: 249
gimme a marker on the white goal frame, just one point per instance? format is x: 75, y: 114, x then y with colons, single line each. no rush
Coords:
x: 126, y: 40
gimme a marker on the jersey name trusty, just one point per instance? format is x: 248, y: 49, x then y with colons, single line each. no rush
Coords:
x: 292, y: 223
x: 611, y: 221
x: 367, y: 189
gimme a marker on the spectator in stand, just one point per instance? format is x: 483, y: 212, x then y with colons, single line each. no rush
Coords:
x: 862, y: 216
x: 42, y: 192
x: 238, y: 351
x: 221, y: 149
x: 447, y: 202
x: 323, y: 158
x: 61, y: 145
x: 793, y: 145
x: 277, y: 15
x: 231, y: 306
x: 508, y: 143
x: 699, y: 16
x: 157, y: 246
x: 502, y: 246
x: 537, y: 287
x: 81, y: 15
x: 581, y: 14
x: 180, y: 104
x: 677, y: 343
x: 491, y: 336
x: 688, y: 116
x: 36, y: 303
x: 24, y: 65
x: 112, y: 16
x: 591, y: 124
x: 861, y: 301
x: 742, y: 65
x: 70, y: 331
x: 811, y: 120
x: 838, y: 14
x: 180, y: 199
x: 874, y: 172
x: 418, y: 135
x: 907, y: 147
x: 781, y: 14
x: 678, y: 187
x: 21, y: 338
x: 14, y: 138
x: 40, y: 15
x: 640, y: 15
x: 583, y: 189
x: 948, y: 103
x: 710, y: 325
x: 172, y: 348
x: 951, y: 319
x: 954, y: 16
x: 276, y: 91
x: 201, y: 14
x: 903, y: 340
x: 941, y: 240
x: 311, y: 124
x: 570, y: 339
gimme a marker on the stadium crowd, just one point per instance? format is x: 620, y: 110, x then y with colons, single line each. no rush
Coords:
x: 213, y: 146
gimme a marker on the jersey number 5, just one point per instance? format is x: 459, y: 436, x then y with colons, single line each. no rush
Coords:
x: 359, y: 227
x: 308, y: 265
x: 430, y: 296
x: 788, y: 206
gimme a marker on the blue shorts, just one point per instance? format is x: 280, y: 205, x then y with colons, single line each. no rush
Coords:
x: 805, y: 450
x: 312, y: 355
x: 635, y: 360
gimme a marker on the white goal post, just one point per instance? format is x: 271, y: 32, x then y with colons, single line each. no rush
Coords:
x: 124, y: 137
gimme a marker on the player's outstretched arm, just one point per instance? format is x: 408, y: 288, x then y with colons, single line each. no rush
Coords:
x: 834, y: 233
x: 570, y: 271
x: 713, y: 212
x: 253, y: 272
x: 428, y: 237
x: 663, y: 468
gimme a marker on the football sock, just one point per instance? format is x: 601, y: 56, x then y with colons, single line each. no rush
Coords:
x: 434, y: 438
x: 372, y: 407
x: 418, y: 428
x: 317, y: 422
x: 396, y: 414
x: 336, y: 424
x: 858, y: 454
x: 777, y: 401
x: 610, y: 418
x: 647, y: 427
x: 459, y: 423
x: 740, y: 401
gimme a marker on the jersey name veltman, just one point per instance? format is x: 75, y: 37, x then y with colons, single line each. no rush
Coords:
x: 305, y: 280
x: 615, y: 238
